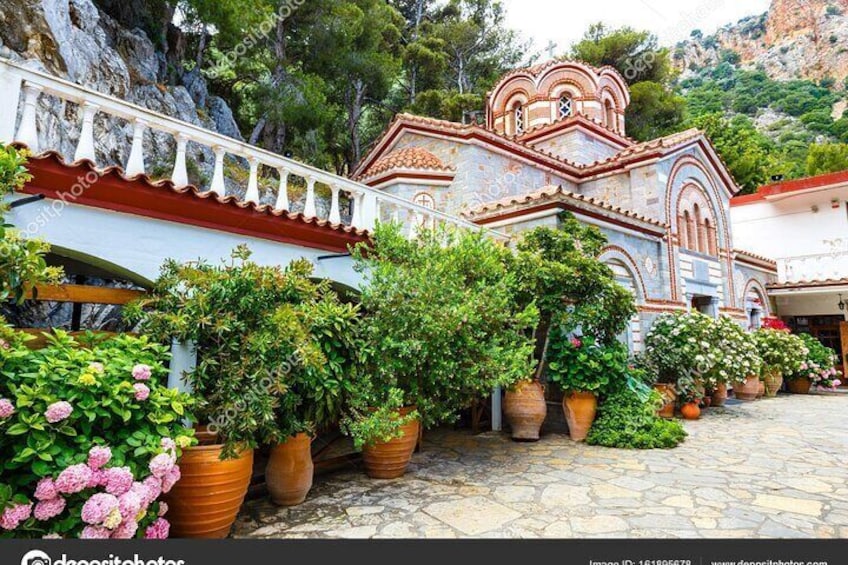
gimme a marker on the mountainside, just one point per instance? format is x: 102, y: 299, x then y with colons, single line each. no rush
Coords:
x: 795, y: 39
x: 76, y: 40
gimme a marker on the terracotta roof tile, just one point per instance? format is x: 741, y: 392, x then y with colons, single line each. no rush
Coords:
x: 416, y: 158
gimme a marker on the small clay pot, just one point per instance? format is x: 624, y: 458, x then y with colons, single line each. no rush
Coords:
x: 690, y: 411
x: 580, y: 409
x: 707, y: 401
x: 773, y: 383
x: 799, y: 386
x: 289, y: 471
x: 525, y: 410
x: 389, y: 459
x: 719, y: 396
x: 669, y: 397
x: 747, y: 390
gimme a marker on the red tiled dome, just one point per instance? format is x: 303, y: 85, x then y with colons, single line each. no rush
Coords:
x: 408, y: 158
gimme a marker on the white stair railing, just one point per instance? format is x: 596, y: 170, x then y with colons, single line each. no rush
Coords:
x: 23, y: 86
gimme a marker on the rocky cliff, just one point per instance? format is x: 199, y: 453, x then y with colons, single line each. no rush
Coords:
x: 805, y: 39
x: 76, y: 40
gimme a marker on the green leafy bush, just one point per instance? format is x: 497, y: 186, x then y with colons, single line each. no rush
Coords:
x: 782, y: 352
x: 583, y: 365
x: 627, y: 418
x: 441, y: 322
x: 82, y: 421
x: 275, y: 349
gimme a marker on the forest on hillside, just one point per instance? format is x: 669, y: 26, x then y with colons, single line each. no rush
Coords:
x: 320, y: 79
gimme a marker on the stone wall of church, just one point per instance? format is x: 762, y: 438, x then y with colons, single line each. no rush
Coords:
x: 578, y: 147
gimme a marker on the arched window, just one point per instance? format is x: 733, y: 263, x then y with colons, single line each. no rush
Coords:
x: 566, y: 107
x: 610, y: 115
x: 695, y: 242
x: 685, y: 226
x: 518, y: 117
x: 710, y: 234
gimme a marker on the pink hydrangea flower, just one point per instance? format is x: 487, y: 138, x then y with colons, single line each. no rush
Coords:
x: 6, y: 408
x: 142, y: 392
x: 47, y: 509
x: 160, y: 529
x: 95, y: 532
x: 97, y: 478
x: 46, y: 489
x: 168, y: 444
x: 163, y: 508
x: 143, y: 493
x: 97, y: 508
x: 51, y: 536
x: 74, y: 479
x: 161, y: 465
x: 98, y: 456
x: 58, y: 411
x: 118, y: 480
x: 126, y: 530
x: 113, y: 520
x: 141, y: 372
x: 169, y: 480
x: 13, y: 516
x: 154, y: 488
x: 96, y: 366
x: 130, y: 504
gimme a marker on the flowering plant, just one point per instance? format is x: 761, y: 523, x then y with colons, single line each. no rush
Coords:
x: 92, y: 436
x: 774, y: 324
x: 680, y: 344
x: 738, y: 356
x: 819, y: 365
x: 782, y: 352
x: 584, y: 365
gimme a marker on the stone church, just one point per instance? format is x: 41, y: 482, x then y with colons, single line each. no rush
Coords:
x: 554, y: 139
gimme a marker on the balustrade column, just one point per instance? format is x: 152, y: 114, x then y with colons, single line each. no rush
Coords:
x: 218, y: 185
x: 356, y: 218
x: 10, y: 86
x: 28, y: 131
x: 335, y: 212
x: 253, y: 183
x: 135, y: 164
x: 283, y: 194
x: 309, y: 210
x: 85, y: 146
x: 180, y: 175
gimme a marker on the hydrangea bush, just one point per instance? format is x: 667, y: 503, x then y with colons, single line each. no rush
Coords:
x: 819, y: 365
x: 92, y: 436
x: 782, y: 352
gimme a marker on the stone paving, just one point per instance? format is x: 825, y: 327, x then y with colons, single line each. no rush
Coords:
x: 773, y: 468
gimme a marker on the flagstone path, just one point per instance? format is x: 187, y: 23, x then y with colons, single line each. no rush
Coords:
x: 773, y: 469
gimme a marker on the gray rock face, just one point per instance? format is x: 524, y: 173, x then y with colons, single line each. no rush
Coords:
x: 74, y: 40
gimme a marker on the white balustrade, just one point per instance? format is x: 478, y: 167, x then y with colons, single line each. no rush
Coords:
x: 20, y: 85
x: 813, y: 267
x: 252, y: 194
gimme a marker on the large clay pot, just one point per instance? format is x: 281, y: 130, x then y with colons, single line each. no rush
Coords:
x: 525, y: 410
x: 389, y: 459
x: 719, y: 396
x: 206, y: 500
x: 580, y: 409
x: 773, y: 383
x: 690, y: 411
x: 669, y: 397
x: 761, y: 389
x: 747, y: 390
x: 799, y: 386
x: 289, y: 471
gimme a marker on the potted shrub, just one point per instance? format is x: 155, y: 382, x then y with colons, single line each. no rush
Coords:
x: 690, y: 396
x: 558, y: 270
x: 782, y: 353
x: 441, y: 328
x: 818, y: 369
x: 90, y: 435
x: 738, y: 359
x: 262, y: 376
x: 582, y: 369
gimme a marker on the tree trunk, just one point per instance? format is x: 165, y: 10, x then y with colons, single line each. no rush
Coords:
x: 355, y: 97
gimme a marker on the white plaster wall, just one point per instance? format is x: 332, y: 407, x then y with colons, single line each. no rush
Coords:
x: 140, y: 245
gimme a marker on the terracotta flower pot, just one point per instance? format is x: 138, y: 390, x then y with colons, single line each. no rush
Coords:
x: 773, y: 383
x: 206, y: 500
x: 389, y: 460
x: 690, y: 411
x: 525, y: 410
x: 289, y: 471
x: 669, y: 400
x: 799, y: 386
x: 707, y: 401
x: 719, y: 396
x: 761, y: 389
x: 580, y: 409
x: 748, y: 390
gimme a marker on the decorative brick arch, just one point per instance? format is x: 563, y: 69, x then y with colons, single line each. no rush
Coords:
x: 617, y: 253
x: 581, y: 74
x: 568, y: 85
x: 522, y: 83
x: 756, y: 285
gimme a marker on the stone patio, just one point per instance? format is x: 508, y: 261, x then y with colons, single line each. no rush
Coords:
x: 773, y: 468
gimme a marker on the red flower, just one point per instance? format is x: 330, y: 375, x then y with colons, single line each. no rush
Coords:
x: 576, y: 342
